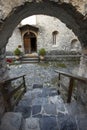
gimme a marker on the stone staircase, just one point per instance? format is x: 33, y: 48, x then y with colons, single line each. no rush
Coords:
x: 26, y: 59
x: 41, y: 108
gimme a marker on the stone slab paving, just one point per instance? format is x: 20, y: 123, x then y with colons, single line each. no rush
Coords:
x: 32, y: 124
x: 66, y: 122
x: 47, y: 111
x: 82, y: 122
x: 48, y: 123
x: 40, y: 101
x: 75, y: 108
x: 38, y: 111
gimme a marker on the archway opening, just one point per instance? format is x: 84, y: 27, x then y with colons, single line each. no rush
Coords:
x: 30, y: 44
x: 69, y: 16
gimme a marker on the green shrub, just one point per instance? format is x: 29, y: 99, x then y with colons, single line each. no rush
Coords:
x: 17, y: 51
x: 42, y: 52
x: 62, y: 65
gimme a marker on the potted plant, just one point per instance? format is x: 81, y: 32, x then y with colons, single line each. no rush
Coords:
x: 17, y: 52
x: 42, y: 53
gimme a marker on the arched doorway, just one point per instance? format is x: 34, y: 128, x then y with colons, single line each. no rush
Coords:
x: 29, y: 42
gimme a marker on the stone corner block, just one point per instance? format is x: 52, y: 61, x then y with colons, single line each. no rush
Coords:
x: 11, y: 121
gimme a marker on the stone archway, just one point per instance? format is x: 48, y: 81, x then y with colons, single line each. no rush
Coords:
x: 29, y: 42
x: 65, y: 12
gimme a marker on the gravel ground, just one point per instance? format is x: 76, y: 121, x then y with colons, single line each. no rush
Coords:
x: 37, y: 73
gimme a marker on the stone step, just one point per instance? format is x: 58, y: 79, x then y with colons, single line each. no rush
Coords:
x: 82, y: 121
x: 15, y: 121
x: 11, y: 121
x: 29, y: 62
x: 37, y: 86
x: 30, y: 58
x: 40, y: 101
x: 42, y: 109
x: 31, y: 124
x: 59, y: 122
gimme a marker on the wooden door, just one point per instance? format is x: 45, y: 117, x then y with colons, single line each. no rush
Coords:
x: 27, y: 44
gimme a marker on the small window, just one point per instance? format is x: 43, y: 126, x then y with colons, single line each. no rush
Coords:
x: 74, y: 43
x: 54, y: 37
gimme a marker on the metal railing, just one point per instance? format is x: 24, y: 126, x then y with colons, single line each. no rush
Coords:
x: 12, y: 97
x: 71, y: 82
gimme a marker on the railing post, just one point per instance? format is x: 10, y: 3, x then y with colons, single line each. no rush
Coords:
x: 24, y: 83
x: 59, y: 80
x: 58, y: 84
x: 70, y: 90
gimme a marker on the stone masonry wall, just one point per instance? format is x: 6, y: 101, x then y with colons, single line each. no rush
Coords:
x: 14, y: 41
x: 47, y: 25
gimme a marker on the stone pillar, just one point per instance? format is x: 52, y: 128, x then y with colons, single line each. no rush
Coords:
x: 3, y: 65
x: 82, y: 87
x: 83, y: 64
x: 3, y: 76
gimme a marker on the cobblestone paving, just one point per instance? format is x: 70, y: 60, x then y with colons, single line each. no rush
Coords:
x: 34, y: 74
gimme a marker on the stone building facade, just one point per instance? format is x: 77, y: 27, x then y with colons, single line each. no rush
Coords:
x: 14, y: 41
x: 52, y: 35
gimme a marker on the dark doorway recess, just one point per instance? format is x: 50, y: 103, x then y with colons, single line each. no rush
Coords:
x: 30, y: 45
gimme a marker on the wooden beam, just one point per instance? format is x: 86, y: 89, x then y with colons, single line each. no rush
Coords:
x: 70, y: 90
x: 59, y: 80
x: 24, y: 83
x: 77, y: 77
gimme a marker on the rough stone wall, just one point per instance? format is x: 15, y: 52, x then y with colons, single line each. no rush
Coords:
x: 83, y: 66
x: 3, y: 65
x: 81, y: 86
x: 47, y: 25
x: 14, y: 41
x: 81, y: 5
x: 3, y: 75
x: 6, y: 6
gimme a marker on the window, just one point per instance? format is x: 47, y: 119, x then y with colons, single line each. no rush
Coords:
x: 74, y: 43
x: 54, y: 37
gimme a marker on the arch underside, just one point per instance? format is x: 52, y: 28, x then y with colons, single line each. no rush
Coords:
x: 64, y: 12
